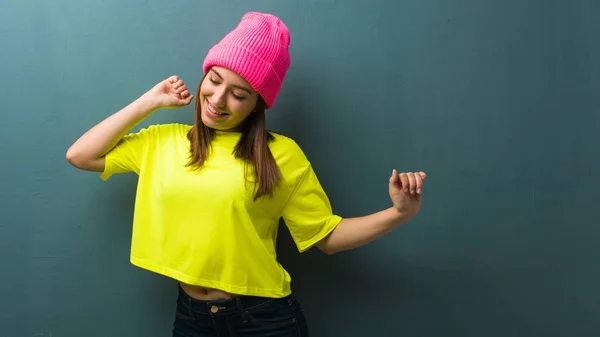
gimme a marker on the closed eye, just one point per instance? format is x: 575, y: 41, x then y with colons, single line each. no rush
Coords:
x: 238, y: 97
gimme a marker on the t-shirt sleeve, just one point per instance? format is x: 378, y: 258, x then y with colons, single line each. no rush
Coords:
x: 128, y: 154
x: 308, y: 213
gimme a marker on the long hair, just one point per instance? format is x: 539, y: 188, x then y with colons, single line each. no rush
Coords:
x: 252, y: 147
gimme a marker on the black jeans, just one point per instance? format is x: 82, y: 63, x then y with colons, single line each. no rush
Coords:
x: 243, y: 316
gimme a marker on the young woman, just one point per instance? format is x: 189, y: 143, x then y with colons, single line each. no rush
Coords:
x: 210, y: 195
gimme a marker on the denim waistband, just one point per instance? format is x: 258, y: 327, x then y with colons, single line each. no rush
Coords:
x: 236, y: 305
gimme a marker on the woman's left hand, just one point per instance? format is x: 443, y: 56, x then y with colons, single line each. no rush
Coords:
x: 406, y: 190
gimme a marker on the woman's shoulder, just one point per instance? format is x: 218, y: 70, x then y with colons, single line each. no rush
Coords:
x: 286, y: 150
x: 280, y: 141
x: 163, y: 130
x: 171, y: 127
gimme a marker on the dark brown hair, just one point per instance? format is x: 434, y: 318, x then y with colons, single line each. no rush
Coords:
x: 252, y: 147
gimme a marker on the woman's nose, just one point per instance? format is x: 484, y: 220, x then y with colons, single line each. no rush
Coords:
x: 219, y: 98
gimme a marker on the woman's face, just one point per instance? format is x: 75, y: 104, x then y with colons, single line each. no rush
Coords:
x: 226, y: 99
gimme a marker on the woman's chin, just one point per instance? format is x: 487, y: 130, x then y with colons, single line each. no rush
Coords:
x: 214, y: 124
x: 211, y: 123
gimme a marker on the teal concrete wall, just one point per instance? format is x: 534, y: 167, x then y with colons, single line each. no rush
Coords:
x: 496, y: 100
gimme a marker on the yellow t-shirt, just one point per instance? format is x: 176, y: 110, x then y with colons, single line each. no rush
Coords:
x: 203, y: 227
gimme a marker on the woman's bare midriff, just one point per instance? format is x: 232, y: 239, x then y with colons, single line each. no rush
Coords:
x: 205, y: 294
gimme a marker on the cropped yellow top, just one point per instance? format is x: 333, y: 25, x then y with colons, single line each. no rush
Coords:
x: 202, y: 227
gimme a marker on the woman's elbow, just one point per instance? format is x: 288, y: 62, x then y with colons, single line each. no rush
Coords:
x: 73, y: 158
x: 82, y: 163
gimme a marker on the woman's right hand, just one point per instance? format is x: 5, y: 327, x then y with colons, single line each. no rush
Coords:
x: 169, y: 93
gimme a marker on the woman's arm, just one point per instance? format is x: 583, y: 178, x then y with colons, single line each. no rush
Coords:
x: 87, y: 153
x: 405, y: 192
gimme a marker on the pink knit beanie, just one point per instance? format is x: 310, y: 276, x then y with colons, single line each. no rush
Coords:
x: 257, y: 50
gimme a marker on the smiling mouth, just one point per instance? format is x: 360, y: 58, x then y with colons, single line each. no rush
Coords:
x: 211, y: 108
